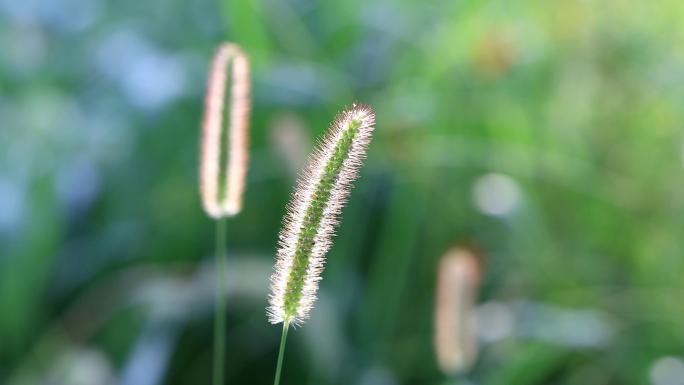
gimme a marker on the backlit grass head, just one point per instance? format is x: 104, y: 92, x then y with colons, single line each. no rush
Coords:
x: 458, y: 283
x: 224, y: 154
x: 312, y: 215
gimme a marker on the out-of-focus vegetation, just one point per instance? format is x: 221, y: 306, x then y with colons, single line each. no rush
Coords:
x: 548, y: 134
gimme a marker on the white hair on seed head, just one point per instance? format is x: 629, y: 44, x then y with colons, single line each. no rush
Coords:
x: 227, y: 55
x: 361, y: 118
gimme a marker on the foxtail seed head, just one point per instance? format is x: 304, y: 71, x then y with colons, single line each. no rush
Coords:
x: 222, y: 186
x: 458, y: 280
x: 312, y: 215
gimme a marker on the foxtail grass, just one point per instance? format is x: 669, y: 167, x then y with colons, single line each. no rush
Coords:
x: 458, y: 280
x: 224, y: 155
x: 312, y: 216
x: 223, y: 166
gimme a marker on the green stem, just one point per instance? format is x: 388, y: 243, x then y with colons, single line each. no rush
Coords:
x: 220, y: 315
x: 283, y: 338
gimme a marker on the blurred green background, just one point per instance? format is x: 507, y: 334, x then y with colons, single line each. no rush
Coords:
x: 546, y: 133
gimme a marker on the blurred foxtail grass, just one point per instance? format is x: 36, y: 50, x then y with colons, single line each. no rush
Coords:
x: 223, y: 166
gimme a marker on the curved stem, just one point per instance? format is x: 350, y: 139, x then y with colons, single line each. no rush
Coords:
x: 283, y: 338
x: 220, y: 304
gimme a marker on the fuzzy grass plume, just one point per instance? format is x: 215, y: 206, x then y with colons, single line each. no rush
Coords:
x: 223, y: 167
x: 222, y: 185
x: 312, y: 216
x: 458, y: 280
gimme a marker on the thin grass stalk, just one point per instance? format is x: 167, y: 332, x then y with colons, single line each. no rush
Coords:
x: 220, y: 303
x: 281, y: 352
